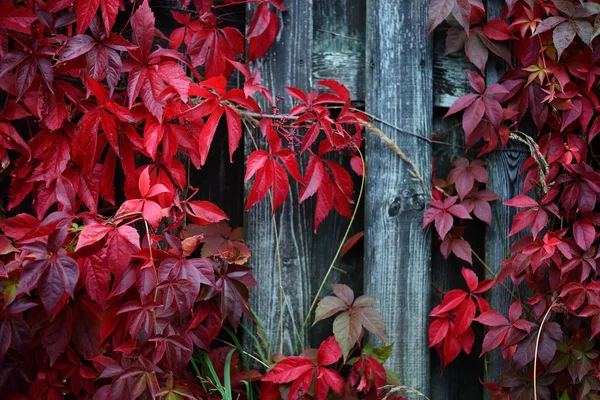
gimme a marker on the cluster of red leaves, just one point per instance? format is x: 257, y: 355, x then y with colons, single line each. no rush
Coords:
x: 554, y: 84
x: 310, y: 373
x: 109, y: 285
x: 459, y: 197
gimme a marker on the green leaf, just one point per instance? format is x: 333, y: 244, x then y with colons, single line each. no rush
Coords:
x: 329, y: 306
x: 392, y: 378
x: 381, y: 353
x: 347, y: 330
x: 227, y: 375
x: 213, y: 375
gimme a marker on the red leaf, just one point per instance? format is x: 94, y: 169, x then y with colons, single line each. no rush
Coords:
x: 471, y: 278
x: 109, y: 8
x: 439, y: 10
x: 438, y: 331
x: 97, y: 278
x: 329, y: 351
x: 262, y: 183
x: 477, y: 52
x: 234, y: 128
x: 351, y: 242
x: 452, y: 300
x: 288, y: 369
x: 264, y: 28
x: 562, y: 37
x: 313, y: 178
x: 208, y: 132
x: 57, y: 335
x: 584, y: 233
x: 472, y: 116
x: 522, y: 201
x: 497, y: 29
x: 142, y: 23
x: 204, y: 212
x: 58, y: 279
x: 86, y: 11
x: 492, y: 318
x: 91, y: 234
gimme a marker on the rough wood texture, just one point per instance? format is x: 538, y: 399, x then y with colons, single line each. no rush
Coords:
x: 505, y: 180
x: 449, y: 81
x: 287, y: 63
x: 460, y: 379
x: 398, y: 254
x: 339, y: 45
x: 346, y: 17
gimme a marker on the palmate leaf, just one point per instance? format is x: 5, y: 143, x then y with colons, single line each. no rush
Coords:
x: 233, y: 282
x: 355, y: 314
x: 301, y: 371
x: 54, y: 274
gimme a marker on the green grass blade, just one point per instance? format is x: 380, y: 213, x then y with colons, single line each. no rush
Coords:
x: 227, y: 375
x: 214, y: 377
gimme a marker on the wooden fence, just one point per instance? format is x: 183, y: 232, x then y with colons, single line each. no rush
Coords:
x: 378, y: 48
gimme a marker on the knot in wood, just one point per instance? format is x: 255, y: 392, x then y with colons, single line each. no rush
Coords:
x: 418, y: 201
x: 407, y: 201
x: 395, y: 207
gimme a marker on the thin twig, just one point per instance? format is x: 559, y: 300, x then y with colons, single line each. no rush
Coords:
x: 488, y: 269
x: 278, y: 250
x: 538, y: 157
x: 537, y: 343
x: 391, y: 389
x: 413, y: 170
x: 340, y: 35
x: 246, y: 353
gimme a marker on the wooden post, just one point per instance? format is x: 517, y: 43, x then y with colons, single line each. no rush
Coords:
x: 341, y: 56
x: 398, y: 252
x: 287, y: 63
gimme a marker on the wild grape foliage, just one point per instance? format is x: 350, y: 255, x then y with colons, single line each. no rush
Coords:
x: 119, y: 272
x: 548, y: 339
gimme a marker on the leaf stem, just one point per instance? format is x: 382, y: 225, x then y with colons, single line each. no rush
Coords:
x: 488, y: 269
x: 537, y: 343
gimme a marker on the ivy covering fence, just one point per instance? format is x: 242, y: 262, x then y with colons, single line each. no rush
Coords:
x: 299, y: 199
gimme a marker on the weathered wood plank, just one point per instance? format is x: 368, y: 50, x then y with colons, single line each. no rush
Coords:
x: 449, y: 81
x: 287, y: 63
x: 505, y: 180
x: 398, y: 253
x: 346, y: 18
x: 460, y: 379
x: 339, y: 45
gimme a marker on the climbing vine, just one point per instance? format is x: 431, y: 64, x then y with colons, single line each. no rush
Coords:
x: 546, y: 102
x: 117, y: 281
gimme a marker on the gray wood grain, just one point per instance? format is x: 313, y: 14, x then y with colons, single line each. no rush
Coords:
x: 505, y: 180
x: 339, y: 43
x: 287, y: 63
x: 449, y: 81
x: 398, y: 253
x: 345, y: 17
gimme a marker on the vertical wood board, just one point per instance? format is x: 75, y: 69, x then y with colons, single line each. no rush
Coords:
x: 288, y: 62
x: 398, y: 253
x: 345, y: 17
x: 505, y: 180
x: 339, y: 44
